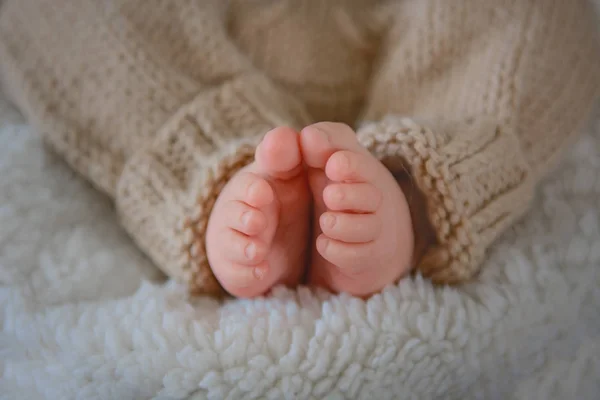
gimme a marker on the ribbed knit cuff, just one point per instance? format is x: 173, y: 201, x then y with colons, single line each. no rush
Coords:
x: 473, y: 176
x: 167, y: 191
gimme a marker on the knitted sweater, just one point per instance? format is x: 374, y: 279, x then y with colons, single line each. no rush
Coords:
x: 158, y: 103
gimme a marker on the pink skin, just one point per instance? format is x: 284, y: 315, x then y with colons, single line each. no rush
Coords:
x: 363, y: 230
x: 258, y: 232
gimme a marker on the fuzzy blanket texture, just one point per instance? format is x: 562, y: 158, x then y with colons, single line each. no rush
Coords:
x: 83, y: 315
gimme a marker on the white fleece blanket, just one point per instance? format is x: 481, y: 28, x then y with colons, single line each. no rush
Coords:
x: 83, y: 315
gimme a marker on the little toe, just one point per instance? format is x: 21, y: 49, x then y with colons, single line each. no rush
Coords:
x: 244, y: 249
x: 319, y: 141
x: 251, y: 189
x: 278, y: 155
x: 244, y: 218
x: 350, y: 166
x: 243, y: 281
x: 352, y: 197
x: 349, y: 257
x: 350, y: 228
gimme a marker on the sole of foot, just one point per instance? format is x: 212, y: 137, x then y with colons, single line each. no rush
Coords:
x: 258, y: 232
x: 362, y: 225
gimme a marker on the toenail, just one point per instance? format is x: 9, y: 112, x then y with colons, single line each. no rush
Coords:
x: 259, y: 272
x: 251, y: 189
x: 250, y: 251
x: 322, y: 133
x: 338, y: 195
x: 328, y: 220
x: 253, y: 192
x: 322, y: 242
x: 246, y: 218
x: 344, y: 161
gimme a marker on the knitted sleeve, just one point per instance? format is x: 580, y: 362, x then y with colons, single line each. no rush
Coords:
x: 477, y: 100
x: 151, y: 102
x: 167, y: 190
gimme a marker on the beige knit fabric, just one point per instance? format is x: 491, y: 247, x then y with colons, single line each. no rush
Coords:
x: 158, y: 103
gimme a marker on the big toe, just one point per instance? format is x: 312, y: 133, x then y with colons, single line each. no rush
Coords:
x: 278, y: 155
x: 321, y: 140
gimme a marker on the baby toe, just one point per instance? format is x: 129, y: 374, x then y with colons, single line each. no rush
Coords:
x: 242, y: 249
x: 243, y: 281
x: 319, y: 141
x: 350, y: 228
x: 352, y: 197
x: 350, y: 166
x: 348, y: 257
x: 245, y: 219
x: 278, y: 155
x: 251, y: 189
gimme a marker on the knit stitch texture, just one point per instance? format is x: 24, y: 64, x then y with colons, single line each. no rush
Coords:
x: 159, y: 103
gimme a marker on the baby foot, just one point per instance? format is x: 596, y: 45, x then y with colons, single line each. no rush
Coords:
x: 258, y: 232
x: 363, y: 231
